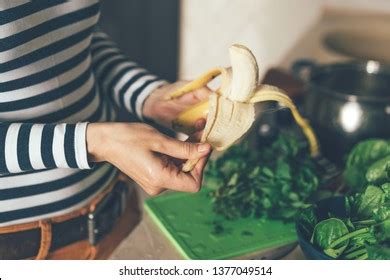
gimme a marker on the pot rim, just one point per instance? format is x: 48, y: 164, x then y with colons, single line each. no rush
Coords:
x: 376, y: 68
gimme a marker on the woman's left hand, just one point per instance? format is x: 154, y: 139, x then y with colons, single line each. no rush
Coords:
x: 165, y: 111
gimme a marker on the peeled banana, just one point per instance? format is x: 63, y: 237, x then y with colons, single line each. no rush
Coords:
x: 230, y: 109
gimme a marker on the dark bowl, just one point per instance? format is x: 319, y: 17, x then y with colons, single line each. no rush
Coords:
x: 334, y: 205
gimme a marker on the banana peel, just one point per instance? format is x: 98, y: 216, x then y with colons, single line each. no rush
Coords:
x: 230, y: 109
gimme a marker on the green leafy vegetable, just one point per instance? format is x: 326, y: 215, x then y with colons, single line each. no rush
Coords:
x: 379, y: 171
x: 274, y: 181
x: 378, y: 252
x: 382, y: 213
x: 364, y: 204
x: 358, y: 243
x: 326, y: 233
x: 381, y: 231
x: 386, y: 189
x: 364, y: 233
x: 360, y: 159
x: 308, y: 220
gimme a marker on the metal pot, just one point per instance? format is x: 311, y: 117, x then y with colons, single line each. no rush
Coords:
x: 346, y: 103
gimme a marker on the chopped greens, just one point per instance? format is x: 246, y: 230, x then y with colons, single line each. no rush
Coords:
x: 274, y: 181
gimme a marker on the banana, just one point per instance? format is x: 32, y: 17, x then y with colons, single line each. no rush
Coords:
x: 198, y: 83
x: 243, y: 76
x: 186, y: 121
x: 230, y: 109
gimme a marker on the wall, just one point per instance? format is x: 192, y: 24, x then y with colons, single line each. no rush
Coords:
x: 268, y: 27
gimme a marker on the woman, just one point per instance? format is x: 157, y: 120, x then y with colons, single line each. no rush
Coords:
x: 60, y: 81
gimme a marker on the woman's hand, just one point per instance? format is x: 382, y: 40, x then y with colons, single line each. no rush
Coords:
x: 165, y: 111
x: 150, y: 158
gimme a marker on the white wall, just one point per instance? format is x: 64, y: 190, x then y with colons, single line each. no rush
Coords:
x: 268, y: 27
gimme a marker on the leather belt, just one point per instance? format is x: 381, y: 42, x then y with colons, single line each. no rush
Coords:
x: 92, y: 226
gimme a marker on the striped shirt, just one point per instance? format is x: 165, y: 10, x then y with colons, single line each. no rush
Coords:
x: 57, y: 73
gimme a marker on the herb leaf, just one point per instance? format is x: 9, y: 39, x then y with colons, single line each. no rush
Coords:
x: 274, y: 181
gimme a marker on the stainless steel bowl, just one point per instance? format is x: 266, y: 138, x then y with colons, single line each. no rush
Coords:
x: 345, y: 103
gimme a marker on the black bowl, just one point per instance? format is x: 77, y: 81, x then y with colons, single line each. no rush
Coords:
x: 334, y: 205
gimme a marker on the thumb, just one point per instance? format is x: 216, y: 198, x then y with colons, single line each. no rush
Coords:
x: 182, y: 150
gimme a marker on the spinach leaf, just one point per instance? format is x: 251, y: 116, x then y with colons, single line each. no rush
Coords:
x: 360, y: 158
x: 307, y: 220
x: 364, y: 204
x: 363, y: 233
x: 381, y: 232
x: 382, y: 213
x: 379, y: 171
x: 326, y: 233
x: 378, y: 252
x: 368, y: 151
x: 386, y: 189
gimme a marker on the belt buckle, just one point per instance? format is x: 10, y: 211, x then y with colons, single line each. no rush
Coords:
x: 103, y: 218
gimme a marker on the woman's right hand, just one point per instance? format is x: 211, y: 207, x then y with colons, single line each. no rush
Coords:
x: 150, y: 158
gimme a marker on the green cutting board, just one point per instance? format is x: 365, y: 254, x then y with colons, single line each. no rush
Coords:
x: 187, y: 221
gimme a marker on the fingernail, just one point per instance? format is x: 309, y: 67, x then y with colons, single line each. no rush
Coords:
x: 203, y: 147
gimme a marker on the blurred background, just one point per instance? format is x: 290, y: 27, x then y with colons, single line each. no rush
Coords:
x: 182, y: 38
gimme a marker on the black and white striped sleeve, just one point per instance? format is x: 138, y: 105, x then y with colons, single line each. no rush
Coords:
x: 122, y: 79
x: 26, y: 146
